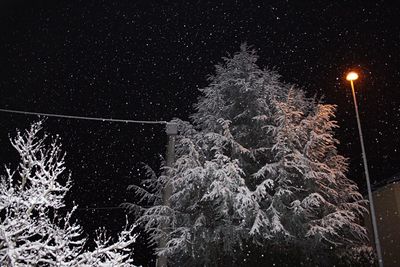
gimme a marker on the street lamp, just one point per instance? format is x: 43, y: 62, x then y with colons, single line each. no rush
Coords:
x: 352, y: 76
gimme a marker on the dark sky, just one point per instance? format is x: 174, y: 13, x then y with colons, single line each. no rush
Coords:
x: 145, y: 60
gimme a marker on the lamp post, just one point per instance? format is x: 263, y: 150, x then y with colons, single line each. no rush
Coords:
x: 352, y: 76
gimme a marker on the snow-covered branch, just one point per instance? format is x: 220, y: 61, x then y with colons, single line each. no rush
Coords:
x: 33, y: 230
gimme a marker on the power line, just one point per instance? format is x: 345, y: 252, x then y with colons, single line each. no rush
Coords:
x: 80, y: 117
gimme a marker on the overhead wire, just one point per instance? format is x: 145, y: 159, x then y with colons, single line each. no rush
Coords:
x: 80, y: 117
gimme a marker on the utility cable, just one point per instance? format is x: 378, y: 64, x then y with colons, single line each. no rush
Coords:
x: 80, y: 117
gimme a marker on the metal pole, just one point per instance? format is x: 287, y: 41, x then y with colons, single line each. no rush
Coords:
x: 172, y: 131
x: 370, y: 197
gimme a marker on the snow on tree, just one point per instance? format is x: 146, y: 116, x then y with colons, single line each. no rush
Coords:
x: 269, y: 151
x: 288, y: 156
x: 210, y: 204
x: 33, y: 231
x: 239, y: 92
x: 317, y: 207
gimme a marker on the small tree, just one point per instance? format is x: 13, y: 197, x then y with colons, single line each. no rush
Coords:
x: 33, y: 232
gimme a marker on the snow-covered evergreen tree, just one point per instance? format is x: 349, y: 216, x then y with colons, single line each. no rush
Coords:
x: 33, y: 231
x: 288, y: 156
x: 268, y: 150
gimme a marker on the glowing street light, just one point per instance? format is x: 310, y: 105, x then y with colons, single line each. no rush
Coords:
x: 352, y: 76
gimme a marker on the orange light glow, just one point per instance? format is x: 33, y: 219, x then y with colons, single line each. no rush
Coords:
x: 352, y: 76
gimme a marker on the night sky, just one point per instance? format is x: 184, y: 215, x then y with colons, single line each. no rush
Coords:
x: 145, y: 60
